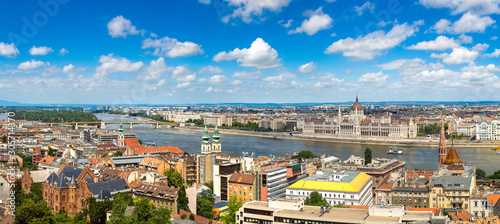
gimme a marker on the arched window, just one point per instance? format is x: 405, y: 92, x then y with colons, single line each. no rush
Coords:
x: 63, y: 198
x: 57, y: 198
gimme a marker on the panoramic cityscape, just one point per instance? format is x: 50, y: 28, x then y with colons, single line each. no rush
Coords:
x: 250, y: 112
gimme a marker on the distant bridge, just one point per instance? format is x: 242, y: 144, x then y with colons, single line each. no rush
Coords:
x: 102, y: 124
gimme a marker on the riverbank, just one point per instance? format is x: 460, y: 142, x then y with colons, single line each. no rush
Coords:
x: 365, y: 141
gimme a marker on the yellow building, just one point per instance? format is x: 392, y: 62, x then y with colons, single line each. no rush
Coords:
x: 242, y: 186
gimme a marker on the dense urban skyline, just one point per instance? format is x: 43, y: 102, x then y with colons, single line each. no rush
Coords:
x: 265, y: 51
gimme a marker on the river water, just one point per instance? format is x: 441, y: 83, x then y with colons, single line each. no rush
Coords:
x: 422, y: 158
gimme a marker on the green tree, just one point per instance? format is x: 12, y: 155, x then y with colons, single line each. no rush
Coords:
x: 495, y: 175
x: 191, y: 217
x: 480, y: 174
x: 127, y: 199
x: 4, y: 138
x: 368, y: 156
x: 184, y: 216
x: 340, y: 205
x: 140, y: 141
x: 160, y: 215
x: 174, y: 179
x: 305, y: 155
x: 315, y: 199
x: 210, y: 184
x: 205, y: 204
x: 143, y: 210
x: 95, y: 211
x: 62, y: 217
x: 36, y: 191
x: 33, y: 212
x: 182, y: 200
x: 118, y: 213
x: 233, y: 206
x: 50, y: 152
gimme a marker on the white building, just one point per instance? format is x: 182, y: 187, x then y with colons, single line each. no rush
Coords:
x: 336, y: 186
x: 487, y: 129
x: 276, y: 183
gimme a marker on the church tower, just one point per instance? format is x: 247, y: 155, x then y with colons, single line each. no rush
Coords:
x: 121, y: 137
x: 216, y: 145
x: 205, y: 143
x: 442, y: 145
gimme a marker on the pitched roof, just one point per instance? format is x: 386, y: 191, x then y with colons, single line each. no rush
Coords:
x: 112, y: 186
x: 131, y: 142
x: 242, y: 178
x: 452, y: 157
x: 493, y: 199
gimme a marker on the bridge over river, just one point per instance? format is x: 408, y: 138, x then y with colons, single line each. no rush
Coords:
x: 102, y: 124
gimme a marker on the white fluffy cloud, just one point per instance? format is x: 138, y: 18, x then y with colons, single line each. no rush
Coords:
x: 308, y: 68
x: 287, y: 24
x: 155, y: 69
x: 63, y: 52
x: 40, y: 50
x: 171, y: 47
x: 361, y: 9
x: 494, y: 54
x: 410, y: 66
x: 236, y: 82
x: 373, y: 44
x: 28, y: 65
x: 216, y: 79
x: 457, y: 56
x: 468, y: 23
x: 184, y: 85
x: 481, y: 47
x: 112, y: 64
x: 8, y: 50
x: 210, y: 69
x: 248, y: 75
x: 248, y: 9
x: 183, y: 74
x: 212, y: 90
x: 484, y: 7
x: 441, y: 43
x: 259, y: 55
x: 68, y: 68
x: 377, y: 78
x: 317, y: 21
x: 279, y: 78
x: 121, y: 27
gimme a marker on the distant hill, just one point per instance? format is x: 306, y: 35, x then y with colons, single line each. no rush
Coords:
x: 11, y: 103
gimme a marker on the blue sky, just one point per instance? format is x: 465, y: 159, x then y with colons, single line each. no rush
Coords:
x: 259, y: 51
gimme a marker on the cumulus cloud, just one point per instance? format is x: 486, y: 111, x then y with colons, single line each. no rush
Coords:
x: 259, y: 55
x: 441, y: 43
x: 308, y: 68
x: 40, y: 50
x: 216, y: 79
x: 28, y: 65
x: 287, y: 24
x: 317, y: 21
x: 210, y: 69
x: 63, y: 52
x: 68, y: 68
x: 248, y: 75
x: 377, y: 78
x: 236, y: 82
x: 480, y: 47
x: 361, y: 9
x: 183, y: 74
x: 325, y: 83
x: 483, y: 7
x: 373, y: 44
x: 155, y: 69
x: 410, y: 66
x: 247, y: 10
x: 8, y: 50
x: 212, y: 90
x: 184, y: 85
x: 279, y: 78
x: 113, y: 64
x: 468, y: 23
x: 494, y: 54
x: 457, y: 56
x: 171, y: 47
x: 121, y: 27
x: 204, y: 1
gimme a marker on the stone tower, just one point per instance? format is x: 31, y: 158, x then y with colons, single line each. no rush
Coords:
x: 216, y: 145
x: 442, y: 145
x: 205, y: 143
x: 121, y: 137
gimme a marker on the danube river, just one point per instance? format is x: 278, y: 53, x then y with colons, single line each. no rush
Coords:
x: 423, y: 158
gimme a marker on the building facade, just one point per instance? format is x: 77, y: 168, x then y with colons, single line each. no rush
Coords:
x: 243, y: 186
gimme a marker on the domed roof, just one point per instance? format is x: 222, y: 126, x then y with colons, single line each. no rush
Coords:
x: 356, y: 106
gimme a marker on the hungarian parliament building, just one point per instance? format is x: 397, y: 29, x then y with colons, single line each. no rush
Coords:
x: 358, y: 124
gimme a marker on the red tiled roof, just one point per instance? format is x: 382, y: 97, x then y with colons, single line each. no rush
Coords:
x: 452, y: 157
x: 242, y: 178
x: 131, y: 142
x: 493, y: 199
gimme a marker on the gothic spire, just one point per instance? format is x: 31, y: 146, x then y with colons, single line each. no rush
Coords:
x: 216, y: 135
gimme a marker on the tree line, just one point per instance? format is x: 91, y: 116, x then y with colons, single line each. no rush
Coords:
x: 52, y: 116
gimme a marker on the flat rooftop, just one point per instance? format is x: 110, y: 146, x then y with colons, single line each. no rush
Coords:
x: 339, y: 213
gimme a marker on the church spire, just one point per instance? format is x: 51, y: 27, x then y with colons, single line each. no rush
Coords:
x: 120, y: 130
x: 205, y: 136
x: 216, y: 135
x: 442, y: 144
x: 356, y: 97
